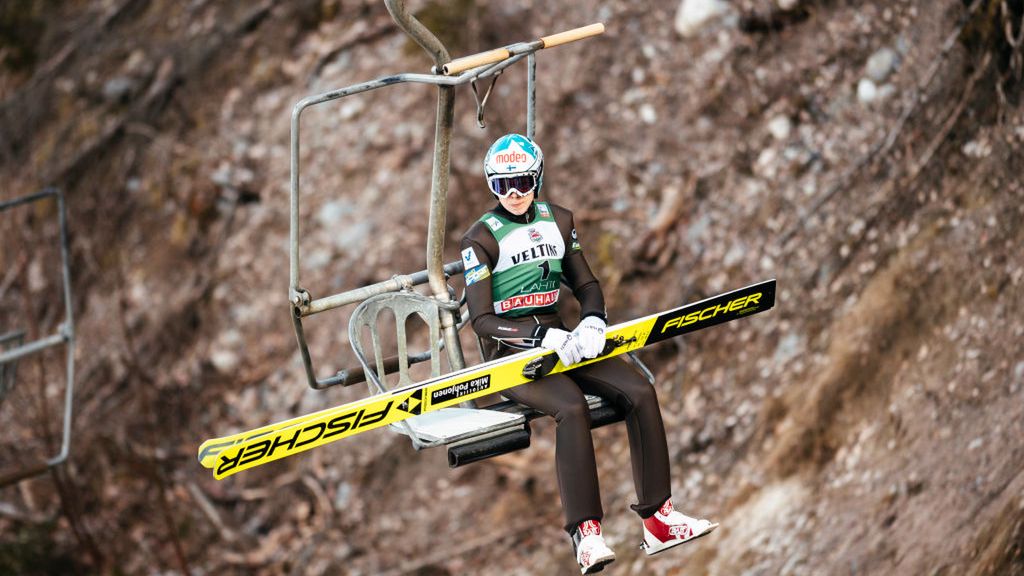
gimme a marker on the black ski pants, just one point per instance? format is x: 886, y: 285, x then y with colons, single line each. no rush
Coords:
x: 561, y: 396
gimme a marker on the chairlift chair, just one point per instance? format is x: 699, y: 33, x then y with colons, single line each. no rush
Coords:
x: 471, y: 433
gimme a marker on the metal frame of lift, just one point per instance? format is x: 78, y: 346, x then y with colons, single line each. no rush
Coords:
x: 13, y: 347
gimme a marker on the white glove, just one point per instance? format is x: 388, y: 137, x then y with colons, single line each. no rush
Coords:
x: 590, y: 333
x: 564, y: 344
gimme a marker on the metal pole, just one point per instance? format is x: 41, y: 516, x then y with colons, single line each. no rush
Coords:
x: 293, y: 240
x: 438, y: 212
x: 531, y: 94
x: 441, y: 170
x: 418, y: 32
x: 68, y: 330
x: 33, y: 347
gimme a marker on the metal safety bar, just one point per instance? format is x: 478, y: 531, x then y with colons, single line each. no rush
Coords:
x: 446, y: 76
x: 396, y: 283
x: 65, y: 335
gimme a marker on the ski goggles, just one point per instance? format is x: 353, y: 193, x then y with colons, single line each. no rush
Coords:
x: 503, y: 186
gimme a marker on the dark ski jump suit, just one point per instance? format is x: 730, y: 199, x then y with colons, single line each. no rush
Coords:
x: 514, y: 265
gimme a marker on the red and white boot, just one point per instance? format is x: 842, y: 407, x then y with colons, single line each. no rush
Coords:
x: 668, y: 528
x: 592, y: 554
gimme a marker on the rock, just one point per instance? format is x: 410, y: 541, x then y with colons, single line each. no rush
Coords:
x: 119, y: 90
x: 787, y: 5
x: 648, y: 114
x: 881, y: 64
x: 885, y: 92
x: 766, y: 164
x: 222, y: 174
x: 224, y: 361
x: 351, y: 108
x: 697, y: 230
x: 137, y: 65
x: 797, y: 157
x: 695, y: 14
x: 780, y: 127
x: 36, y: 276
x: 856, y: 227
x: 979, y: 148
x: 789, y: 347
x: 734, y: 255
x: 352, y: 233
x: 317, y: 258
x: 867, y: 92
x: 332, y: 215
x: 228, y: 175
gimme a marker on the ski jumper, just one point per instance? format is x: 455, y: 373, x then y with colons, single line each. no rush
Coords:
x: 514, y: 266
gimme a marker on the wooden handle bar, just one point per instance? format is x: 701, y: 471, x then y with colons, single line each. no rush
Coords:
x: 572, y: 35
x: 497, y: 55
x: 466, y: 62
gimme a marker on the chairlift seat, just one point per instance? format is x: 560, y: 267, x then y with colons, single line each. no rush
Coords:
x: 437, y: 428
x: 451, y: 425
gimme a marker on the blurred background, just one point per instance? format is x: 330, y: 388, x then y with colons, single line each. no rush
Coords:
x: 867, y: 154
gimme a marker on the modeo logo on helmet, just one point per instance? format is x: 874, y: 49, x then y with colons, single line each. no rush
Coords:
x: 512, y: 157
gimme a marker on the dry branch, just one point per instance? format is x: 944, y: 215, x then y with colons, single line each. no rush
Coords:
x: 950, y: 122
x: 210, y: 511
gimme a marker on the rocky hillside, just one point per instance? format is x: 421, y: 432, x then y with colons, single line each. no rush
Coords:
x: 867, y: 154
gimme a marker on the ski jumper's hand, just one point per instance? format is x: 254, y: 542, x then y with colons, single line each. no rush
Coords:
x: 590, y: 334
x: 564, y: 344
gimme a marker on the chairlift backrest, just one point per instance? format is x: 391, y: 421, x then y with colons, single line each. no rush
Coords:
x: 402, y: 306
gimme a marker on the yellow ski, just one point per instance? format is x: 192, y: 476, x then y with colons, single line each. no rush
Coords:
x: 232, y: 454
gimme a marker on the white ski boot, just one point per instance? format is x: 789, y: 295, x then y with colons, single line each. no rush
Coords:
x: 592, y: 554
x: 668, y: 528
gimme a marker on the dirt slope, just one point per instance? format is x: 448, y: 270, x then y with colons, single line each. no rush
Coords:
x: 871, y: 424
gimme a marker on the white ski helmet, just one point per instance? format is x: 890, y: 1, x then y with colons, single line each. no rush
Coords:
x: 514, y: 163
